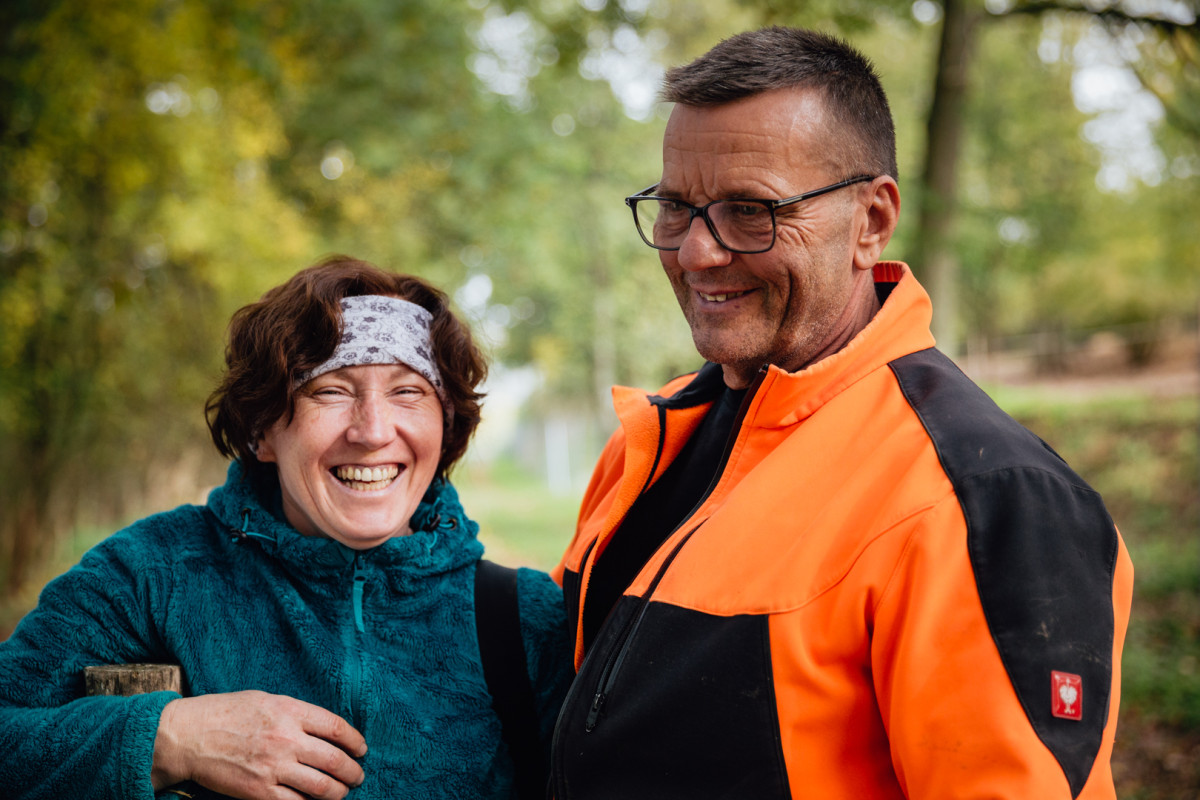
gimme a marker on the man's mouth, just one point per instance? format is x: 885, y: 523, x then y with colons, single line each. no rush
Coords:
x: 719, y: 298
x: 367, y: 479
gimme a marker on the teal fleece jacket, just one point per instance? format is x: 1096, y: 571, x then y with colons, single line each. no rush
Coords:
x: 384, y: 637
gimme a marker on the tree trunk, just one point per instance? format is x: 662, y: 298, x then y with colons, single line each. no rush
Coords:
x: 130, y: 679
x: 934, y: 258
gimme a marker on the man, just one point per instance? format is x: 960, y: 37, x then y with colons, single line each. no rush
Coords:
x: 826, y: 565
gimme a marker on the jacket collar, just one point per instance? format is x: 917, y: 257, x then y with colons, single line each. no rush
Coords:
x: 250, y: 508
x: 901, y: 327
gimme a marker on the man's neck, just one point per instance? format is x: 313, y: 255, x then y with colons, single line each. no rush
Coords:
x: 858, y: 316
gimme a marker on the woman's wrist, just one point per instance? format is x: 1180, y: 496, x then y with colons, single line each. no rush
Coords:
x: 164, y: 768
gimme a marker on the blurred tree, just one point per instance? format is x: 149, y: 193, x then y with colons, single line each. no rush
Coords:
x: 127, y: 201
x: 938, y: 245
x: 1160, y: 41
x: 1072, y: 257
x: 165, y: 162
x: 934, y: 253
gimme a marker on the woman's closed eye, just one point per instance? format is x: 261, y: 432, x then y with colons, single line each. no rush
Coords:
x: 409, y: 393
x: 330, y: 392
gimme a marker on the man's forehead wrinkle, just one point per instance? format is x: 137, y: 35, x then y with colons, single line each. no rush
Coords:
x: 713, y: 166
x: 715, y: 180
x: 718, y: 152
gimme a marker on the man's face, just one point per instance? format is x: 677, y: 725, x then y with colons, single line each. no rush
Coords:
x: 798, y: 301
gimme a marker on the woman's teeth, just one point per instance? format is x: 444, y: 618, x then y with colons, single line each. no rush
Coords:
x: 366, y: 479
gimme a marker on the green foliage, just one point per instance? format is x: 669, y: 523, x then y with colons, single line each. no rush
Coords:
x: 121, y: 222
x: 165, y: 163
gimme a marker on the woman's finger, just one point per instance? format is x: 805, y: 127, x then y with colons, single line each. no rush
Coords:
x: 331, y: 760
x: 313, y: 783
x: 326, y: 725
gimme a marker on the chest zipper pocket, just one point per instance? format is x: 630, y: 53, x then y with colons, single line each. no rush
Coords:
x: 612, y: 666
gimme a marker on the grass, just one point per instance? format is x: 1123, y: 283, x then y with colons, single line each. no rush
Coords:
x: 521, y: 523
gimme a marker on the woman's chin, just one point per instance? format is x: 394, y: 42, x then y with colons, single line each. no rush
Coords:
x: 366, y: 536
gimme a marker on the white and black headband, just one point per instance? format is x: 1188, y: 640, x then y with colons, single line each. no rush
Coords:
x: 385, y: 330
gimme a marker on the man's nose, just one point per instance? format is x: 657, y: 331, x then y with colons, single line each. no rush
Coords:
x: 700, y: 249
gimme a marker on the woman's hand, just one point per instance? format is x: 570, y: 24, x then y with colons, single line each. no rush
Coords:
x: 257, y: 746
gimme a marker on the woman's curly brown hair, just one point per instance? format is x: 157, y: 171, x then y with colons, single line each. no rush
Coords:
x: 296, y: 327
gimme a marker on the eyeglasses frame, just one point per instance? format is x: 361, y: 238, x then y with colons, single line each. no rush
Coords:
x: 702, y: 211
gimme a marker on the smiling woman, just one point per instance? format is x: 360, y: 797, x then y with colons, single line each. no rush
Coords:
x: 335, y: 568
x: 339, y: 313
x: 358, y: 454
x: 363, y: 435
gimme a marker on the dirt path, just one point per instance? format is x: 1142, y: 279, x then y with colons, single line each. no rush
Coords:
x: 1177, y: 377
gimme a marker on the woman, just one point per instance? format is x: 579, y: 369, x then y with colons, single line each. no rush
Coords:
x: 320, y: 605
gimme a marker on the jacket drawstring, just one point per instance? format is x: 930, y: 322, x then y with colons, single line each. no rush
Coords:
x: 439, y: 522
x: 245, y: 533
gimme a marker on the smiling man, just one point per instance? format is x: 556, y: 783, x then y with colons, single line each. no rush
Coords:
x: 826, y: 565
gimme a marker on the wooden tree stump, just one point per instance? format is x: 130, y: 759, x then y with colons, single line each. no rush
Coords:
x: 128, y: 679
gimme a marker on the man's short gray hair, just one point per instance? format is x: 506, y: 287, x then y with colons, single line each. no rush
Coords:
x: 782, y: 58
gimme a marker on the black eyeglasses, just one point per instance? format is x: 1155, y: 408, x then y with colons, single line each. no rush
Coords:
x: 740, y: 226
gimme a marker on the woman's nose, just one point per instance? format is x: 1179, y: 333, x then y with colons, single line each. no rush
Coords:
x: 371, y: 425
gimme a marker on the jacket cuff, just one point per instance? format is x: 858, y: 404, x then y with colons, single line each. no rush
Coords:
x: 136, y: 748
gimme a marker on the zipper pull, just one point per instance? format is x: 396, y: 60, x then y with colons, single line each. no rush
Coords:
x: 593, y: 716
x: 360, y: 580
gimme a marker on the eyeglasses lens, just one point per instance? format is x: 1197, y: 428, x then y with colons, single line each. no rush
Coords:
x: 743, y: 225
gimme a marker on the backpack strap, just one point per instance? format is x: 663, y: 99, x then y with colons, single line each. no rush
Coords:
x: 502, y: 650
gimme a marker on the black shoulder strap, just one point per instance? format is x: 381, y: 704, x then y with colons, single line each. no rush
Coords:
x: 498, y: 626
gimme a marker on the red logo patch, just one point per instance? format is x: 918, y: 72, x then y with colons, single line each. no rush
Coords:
x: 1066, y: 695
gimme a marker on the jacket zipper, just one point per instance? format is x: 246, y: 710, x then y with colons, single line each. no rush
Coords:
x: 354, y: 660
x: 360, y: 580
x: 612, y: 666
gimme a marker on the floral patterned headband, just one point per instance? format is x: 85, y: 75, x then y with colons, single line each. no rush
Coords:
x: 385, y: 330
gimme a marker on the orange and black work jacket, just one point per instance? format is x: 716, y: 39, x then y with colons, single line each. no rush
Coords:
x: 891, y: 589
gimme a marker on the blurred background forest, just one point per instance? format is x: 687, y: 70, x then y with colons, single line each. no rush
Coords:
x: 163, y: 162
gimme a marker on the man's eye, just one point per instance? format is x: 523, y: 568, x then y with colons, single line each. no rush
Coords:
x: 672, y: 208
x: 745, y: 211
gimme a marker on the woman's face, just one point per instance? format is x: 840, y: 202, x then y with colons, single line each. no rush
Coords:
x: 359, y: 453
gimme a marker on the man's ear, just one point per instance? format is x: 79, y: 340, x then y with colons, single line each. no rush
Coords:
x: 878, y: 221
